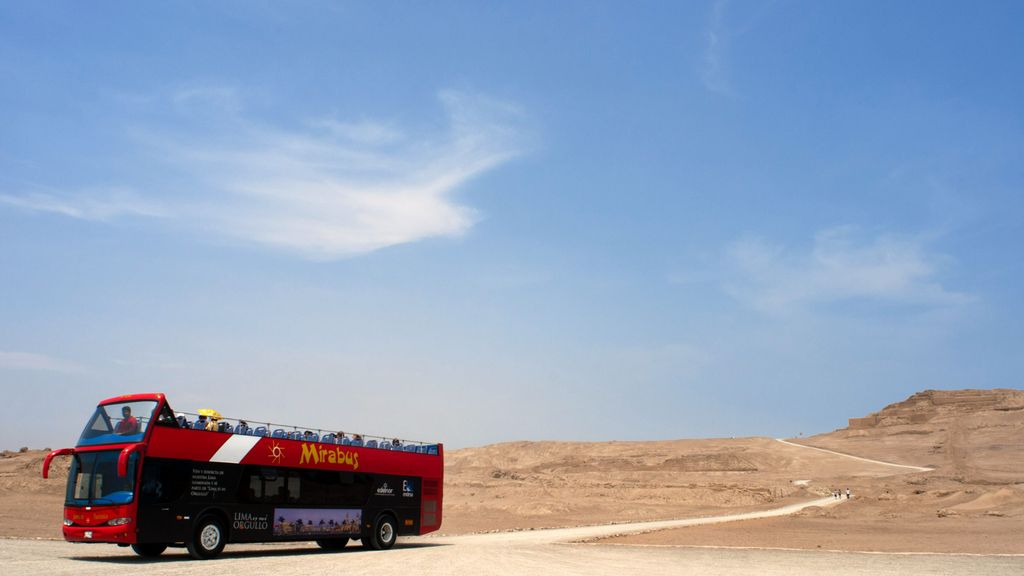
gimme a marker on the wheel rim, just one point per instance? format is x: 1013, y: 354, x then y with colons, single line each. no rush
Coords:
x: 209, y: 538
x: 387, y: 532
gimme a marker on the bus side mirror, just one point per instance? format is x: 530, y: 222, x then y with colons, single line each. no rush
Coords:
x: 51, y: 456
x: 122, y: 460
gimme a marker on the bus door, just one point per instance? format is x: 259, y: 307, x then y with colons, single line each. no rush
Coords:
x: 163, y: 511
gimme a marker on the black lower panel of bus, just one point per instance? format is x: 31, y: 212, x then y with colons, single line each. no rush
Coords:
x: 259, y: 504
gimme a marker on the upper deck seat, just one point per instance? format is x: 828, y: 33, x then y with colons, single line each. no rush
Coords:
x: 346, y: 441
x: 432, y: 449
x: 295, y: 435
x: 371, y: 443
x: 261, y: 431
x: 280, y: 433
x: 357, y: 442
x: 327, y: 439
x: 224, y: 427
x: 385, y: 446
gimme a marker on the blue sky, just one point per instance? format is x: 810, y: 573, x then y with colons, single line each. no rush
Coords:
x: 479, y: 222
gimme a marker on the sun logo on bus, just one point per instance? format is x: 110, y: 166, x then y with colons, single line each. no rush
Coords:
x: 276, y: 453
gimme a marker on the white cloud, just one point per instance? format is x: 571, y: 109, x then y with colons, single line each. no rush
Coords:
x: 838, y: 267
x: 36, y: 362
x: 89, y: 204
x: 362, y: 187
x: 330, y: 189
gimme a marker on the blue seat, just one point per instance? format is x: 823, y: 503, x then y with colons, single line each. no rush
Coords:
x: 296, y: 435
x: 432, y: 450
x: 410, y: 448
x: 371, y: 443
x: 260, y: 431
x: 327, y: 439
x: 357, y: 442
x: 314, y: 437
x: 346, y: 442
x: 385, y: 445
x: 224, y: 427
x: 279, y: 433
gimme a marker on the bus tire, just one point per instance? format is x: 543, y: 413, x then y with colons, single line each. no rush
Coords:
x: 332, y: 543
x: 208, y: 539
x: 149, y: 550
x: 383, y: 534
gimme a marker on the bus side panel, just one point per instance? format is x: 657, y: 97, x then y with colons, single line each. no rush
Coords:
x: 397, y: 495
x: 175, y: 492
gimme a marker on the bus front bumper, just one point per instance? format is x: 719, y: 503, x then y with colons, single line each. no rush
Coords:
x: 110, y: 534
x: 99, y: 524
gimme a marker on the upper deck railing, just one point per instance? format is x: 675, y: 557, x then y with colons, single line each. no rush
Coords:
x: 226, y: 425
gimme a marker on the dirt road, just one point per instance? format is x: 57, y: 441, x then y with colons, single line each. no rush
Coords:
x: 851, y: 456
x: 528, y: 553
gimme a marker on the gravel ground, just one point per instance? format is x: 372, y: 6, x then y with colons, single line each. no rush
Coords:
x: 528, y: 553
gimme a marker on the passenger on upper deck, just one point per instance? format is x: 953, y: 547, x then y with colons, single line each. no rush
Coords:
x: 211, y: 426
x: 129, y: 424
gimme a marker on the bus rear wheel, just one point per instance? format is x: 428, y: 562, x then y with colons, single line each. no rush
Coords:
x: 383, y: 534
x: 149, y: 550
x: 208, y: 539
x: 332, y: 543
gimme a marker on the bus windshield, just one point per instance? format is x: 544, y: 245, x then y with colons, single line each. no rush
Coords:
x: 118, y: 423
x: 93, y: 479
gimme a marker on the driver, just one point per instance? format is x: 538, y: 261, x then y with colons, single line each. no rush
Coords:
x: 129, y: 424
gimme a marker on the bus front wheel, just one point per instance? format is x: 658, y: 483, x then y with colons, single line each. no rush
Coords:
x: 149, y: 550
x: 384, y: 534
x: 208, y: 539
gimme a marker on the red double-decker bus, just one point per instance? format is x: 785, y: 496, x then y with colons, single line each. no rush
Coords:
x: 145, y: 477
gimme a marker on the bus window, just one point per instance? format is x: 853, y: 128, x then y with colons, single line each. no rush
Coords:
x: 96, y: 480
x: 162, y: 482
x: 294, y: 488
x: 263, y: 485
x: 118, y: 423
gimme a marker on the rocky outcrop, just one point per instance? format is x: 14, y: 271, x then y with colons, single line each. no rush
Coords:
x: 926, y: 406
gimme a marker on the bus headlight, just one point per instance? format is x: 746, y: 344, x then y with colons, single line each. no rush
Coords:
x: 118, y: 521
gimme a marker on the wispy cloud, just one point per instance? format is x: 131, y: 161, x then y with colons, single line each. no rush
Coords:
x: 713, y: 72
x: 326, y: 189
x: 36, y: 362
x: 839, y: 266
x: 343, y: 188
x: 89, y: 204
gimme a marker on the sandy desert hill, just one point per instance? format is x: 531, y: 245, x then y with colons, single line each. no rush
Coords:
x: 973, y: 500
x: 974, y: 435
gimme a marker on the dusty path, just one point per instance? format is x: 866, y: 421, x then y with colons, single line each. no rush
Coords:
x: 905, y: 466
